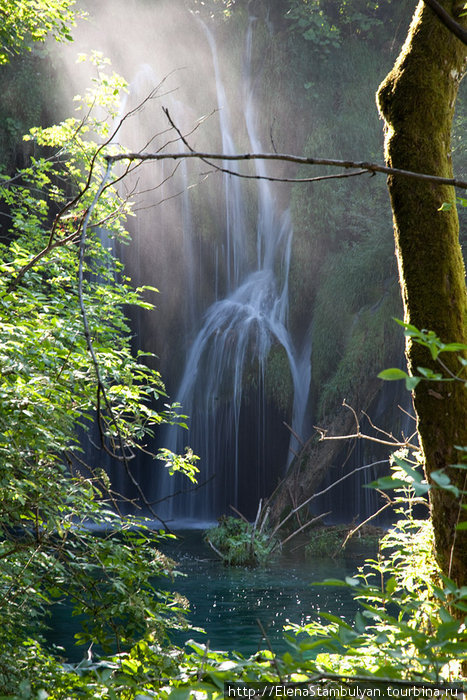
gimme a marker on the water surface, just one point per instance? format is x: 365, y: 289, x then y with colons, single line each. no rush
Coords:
x: 228, y: 602
x: 232, y: 604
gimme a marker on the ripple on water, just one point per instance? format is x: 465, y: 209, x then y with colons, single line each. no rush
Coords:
x: 229, y: 602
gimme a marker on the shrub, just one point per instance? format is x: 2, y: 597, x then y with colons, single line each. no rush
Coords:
x: 239, y: 543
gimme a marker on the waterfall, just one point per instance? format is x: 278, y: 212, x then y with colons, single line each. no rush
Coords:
x: 235, y: 216
x: 223, y: 387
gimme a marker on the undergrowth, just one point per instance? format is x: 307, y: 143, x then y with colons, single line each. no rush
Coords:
x: 239, y: 543
x: 332, y: 541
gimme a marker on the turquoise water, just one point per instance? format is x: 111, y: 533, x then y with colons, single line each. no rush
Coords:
x: 228, y: 602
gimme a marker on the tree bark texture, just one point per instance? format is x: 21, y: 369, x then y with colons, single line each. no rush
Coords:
x: 417, y: 101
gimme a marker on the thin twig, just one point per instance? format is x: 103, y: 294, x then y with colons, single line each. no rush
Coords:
x: 258, y: 514
x: 215, y: 548
x: 101, y: 390
x: 296, y: 435
x: 375, y: 427
x: 362, y: 436
x: 351, y: 533
x: 267, y: 510
x: 406, y: 412
x: 274, y: 656
x: 240, y: 514
x: 198, y: 485
x: 310, y: 522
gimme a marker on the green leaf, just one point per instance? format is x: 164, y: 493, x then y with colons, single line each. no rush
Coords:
x: 392, y: 374
x: 429, y: 374
x: 347, y: 636
x: 412, y: 382
x: 443, y: 481
x: 351, y: 581
x: 337, y: 620
x: 454, y: 347
x: 180, y: 694
x: 386, y: 483
x: 415, y: 475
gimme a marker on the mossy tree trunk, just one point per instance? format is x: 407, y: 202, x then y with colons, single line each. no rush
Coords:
x: 417, y: 102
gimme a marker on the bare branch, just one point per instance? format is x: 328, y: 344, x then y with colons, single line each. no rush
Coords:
x: 296, y: 436
x: 449, y: 22
x: 363, y: 436
x: 288, y: 158
x: 269, y: 178
x: 379, y: 430
x: 245, y: 520
x: 214, y: 548
x: 328, y: 488
x: 393, y: 442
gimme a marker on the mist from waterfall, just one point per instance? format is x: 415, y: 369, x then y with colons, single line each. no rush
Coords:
x: 225, y: 371
x: 218, y: 247
x: 237, y: 287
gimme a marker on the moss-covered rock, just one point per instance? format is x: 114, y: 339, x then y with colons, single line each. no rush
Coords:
x: 278, y: 380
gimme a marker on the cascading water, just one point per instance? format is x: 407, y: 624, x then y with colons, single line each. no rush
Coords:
x: 223, y: 388
x: 235, y: 216
x: 218, y: 248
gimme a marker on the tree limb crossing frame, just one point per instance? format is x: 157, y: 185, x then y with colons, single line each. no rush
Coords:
x: 361, y: 166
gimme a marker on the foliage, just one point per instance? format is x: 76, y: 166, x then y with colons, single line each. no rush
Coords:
x: 407, y: 630
x: 327, y: 23
x: 408, y: 627
x: 436, y: 348
x: 314, y: 24
x: 240, y: 543
x: 25, y: 21
x: 214, y: 9
x: 60, y: 376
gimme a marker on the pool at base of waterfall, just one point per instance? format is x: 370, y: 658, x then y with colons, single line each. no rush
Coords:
x: 233, y: 604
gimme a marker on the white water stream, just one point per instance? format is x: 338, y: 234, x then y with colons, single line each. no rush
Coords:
x: 236, y: 335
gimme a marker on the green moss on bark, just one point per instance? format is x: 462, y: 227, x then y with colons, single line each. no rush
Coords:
x: 417, y: 101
